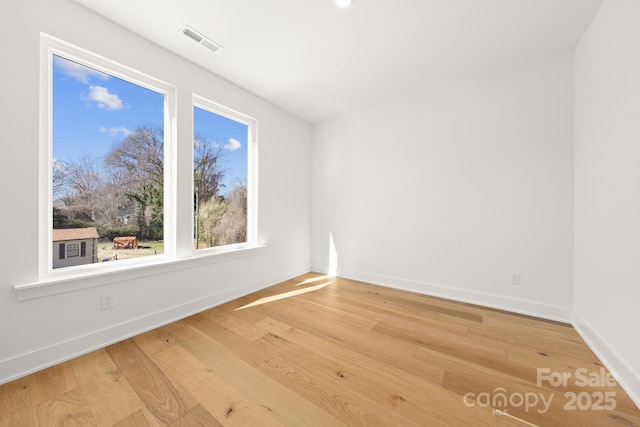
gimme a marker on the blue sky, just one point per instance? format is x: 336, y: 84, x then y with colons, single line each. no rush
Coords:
x: 92, y: 111
x: 232, y: 136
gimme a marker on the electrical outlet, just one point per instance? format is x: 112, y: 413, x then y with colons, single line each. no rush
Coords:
x: 107, y: 302
x: 514, y: 278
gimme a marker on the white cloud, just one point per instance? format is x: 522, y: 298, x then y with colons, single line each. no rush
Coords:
x: 232, y: 145
x: 76, y: 71
x: 116, y: 130
x: 105, y: 100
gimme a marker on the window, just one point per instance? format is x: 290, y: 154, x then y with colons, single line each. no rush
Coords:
x: 109, y: 180
x: 222, y: 155
x: 108, y: 156
x: 73, y: 250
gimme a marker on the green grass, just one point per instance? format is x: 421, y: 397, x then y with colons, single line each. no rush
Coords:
x: 147, y: 248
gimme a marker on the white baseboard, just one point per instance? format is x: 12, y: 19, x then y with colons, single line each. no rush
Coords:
x: 25, y: 364
x: 19, y: 366
x: 624, y: 374
x: 529, y: 308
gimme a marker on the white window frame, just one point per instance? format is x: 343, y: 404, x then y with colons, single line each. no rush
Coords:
x: 50, y: 46
x: 67, y: 250
x: 179, y: 252
x: 252, y: 173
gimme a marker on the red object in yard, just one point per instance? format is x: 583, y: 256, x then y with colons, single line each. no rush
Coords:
x: 129, y: 242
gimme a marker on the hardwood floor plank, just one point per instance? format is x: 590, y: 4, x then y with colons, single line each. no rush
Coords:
x: 228, y: 321
x: 389, y: 386
x: 273, y: 326
x: 197, y: 416
x: 403, y: 367
x: 320, y: 351
x: 134, y: 420
x: 324, y: 389
x: 251, y: 382
x: 15, y: 404
x: 506, y: 420
x: 533, y: 339
x: 66, y: 409
x: 109, y: 395
x: 219, y: 397
x: 527, y: 402
x: 407, y: 299
x: 137, y: 419
x: 446, y: 343
x: 383, y: 312
x: 149, y: 382
x: 410, y: 302
x: 49, y: 383
x: 157, y: 339
x: 386, y: 348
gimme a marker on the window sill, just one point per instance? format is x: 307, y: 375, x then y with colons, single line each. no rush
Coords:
x: 72, y: 283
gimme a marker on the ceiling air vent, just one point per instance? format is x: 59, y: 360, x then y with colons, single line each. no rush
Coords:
x: 194, y: 35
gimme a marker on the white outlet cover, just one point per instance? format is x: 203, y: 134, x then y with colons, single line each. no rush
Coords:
x: 106, y: 302
x: 514, y: 279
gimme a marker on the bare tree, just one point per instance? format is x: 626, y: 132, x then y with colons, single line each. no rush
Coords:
x: 139, y: 157
x: 58, y: 178
x: 113, y: 207
x: 138, y: 163
x: 208, y: 170
x: 82, y: 178
x: 77, y: 182
x: 129, y: 182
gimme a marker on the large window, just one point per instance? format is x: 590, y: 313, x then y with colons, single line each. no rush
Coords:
x: 107, y: 158
x: 110, y: 179
x: 222, y: 164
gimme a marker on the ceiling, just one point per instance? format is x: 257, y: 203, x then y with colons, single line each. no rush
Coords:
x: 317, y: 61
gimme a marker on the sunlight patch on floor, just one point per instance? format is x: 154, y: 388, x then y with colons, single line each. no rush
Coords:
x: 313, y: 279
x: 285, y: 295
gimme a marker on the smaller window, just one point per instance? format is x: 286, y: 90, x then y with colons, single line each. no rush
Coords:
x: 83, y: 249
x: 62, y: 251
x: 223, y: 166
x: 73, y: 250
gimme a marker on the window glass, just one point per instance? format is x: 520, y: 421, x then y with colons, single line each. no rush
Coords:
x: 220, y: 153
x: 107, y: 163
x: 73, y: 250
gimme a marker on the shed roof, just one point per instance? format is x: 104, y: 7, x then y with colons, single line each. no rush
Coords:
x: 62, y: 234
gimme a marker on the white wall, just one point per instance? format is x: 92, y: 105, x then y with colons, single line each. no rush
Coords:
x: 607, y: 189
x: 448, y: 191
x: 443, y: 192
x: 41, y: 331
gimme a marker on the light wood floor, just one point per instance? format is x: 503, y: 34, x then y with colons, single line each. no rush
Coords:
x: 327, y: 352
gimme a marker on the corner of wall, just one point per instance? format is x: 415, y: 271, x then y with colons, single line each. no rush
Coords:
x: 628, y: 379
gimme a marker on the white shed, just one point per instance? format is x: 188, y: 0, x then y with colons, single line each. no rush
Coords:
x: 75, y: 246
